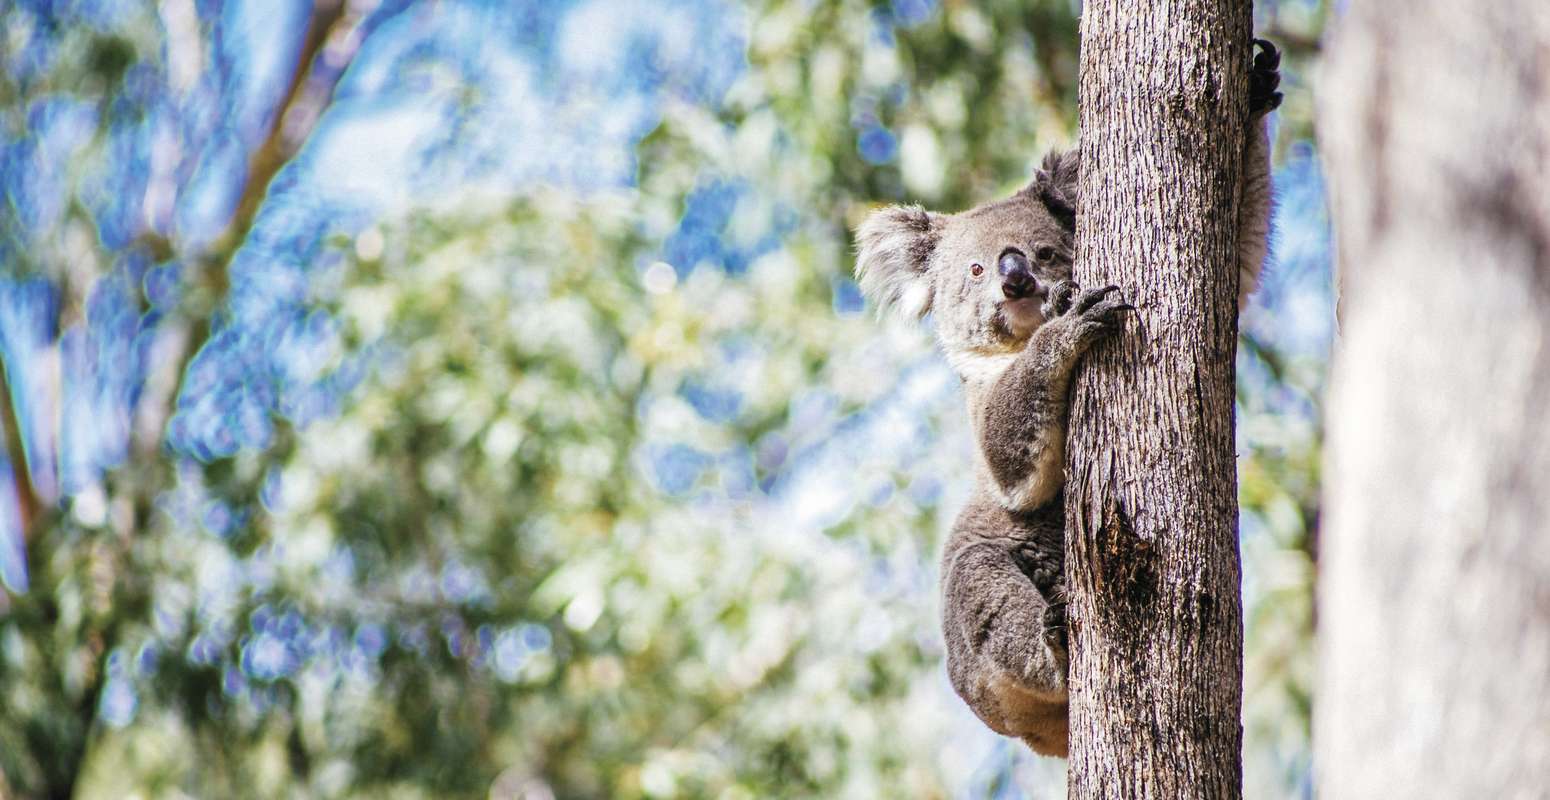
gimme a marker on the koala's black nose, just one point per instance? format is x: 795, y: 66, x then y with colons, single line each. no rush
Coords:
x: 1017, y: 279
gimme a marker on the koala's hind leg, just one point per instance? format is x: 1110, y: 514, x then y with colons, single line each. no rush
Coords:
x: 1004, y: 622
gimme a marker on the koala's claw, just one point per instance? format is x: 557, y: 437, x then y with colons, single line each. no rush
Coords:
x: 1264, y: 78
x: 1099, y: 312
x: 1093, y: 297
x: 1055, y: 627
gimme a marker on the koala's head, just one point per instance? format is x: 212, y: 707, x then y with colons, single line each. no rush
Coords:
x: 981, y: 273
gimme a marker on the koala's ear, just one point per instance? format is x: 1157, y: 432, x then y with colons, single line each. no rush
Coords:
x: 1055, y: 185
x: 894, y: 247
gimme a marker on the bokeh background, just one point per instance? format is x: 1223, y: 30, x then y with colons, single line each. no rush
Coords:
x: 457, y: 398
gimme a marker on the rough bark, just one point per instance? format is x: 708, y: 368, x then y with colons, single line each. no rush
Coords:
x: 1434, y: 592
x: 1152, y: 548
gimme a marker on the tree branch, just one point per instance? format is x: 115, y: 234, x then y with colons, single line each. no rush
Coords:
x: 26, y: 493
x: 310, y: 89
x: 334, y: 35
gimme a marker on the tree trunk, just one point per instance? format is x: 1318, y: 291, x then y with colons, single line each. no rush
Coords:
x: 1434, y: 597
x: 1151, y: 503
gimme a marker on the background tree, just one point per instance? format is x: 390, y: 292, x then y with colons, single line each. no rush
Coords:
x: 472, y: 399
x: 1435, y: 598
x: 1152, y: 550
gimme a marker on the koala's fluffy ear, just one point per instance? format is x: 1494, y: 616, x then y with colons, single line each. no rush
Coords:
x: 894, y: 251
x: 1055, y: 185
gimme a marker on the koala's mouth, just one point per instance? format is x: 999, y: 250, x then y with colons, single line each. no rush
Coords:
x: 1018, y: 319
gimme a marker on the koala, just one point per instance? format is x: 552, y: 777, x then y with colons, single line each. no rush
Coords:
x: 996, y: 280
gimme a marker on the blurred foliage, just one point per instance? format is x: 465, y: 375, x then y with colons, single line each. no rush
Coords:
x: 461, y: 398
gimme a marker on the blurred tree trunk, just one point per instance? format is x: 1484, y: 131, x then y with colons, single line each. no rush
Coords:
x: 1152, y: 548
x: 1434, y: 597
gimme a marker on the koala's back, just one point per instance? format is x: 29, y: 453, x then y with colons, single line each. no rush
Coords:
x: 999, y: 568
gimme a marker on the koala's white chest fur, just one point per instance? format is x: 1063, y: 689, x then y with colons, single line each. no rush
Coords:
x: 979, y: 371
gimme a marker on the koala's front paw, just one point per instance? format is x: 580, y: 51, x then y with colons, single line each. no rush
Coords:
x: 1264, y: 78
x: 1058, y: 301
x: 1097, y: 313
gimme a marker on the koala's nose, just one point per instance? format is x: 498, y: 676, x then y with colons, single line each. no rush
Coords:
x: 1017, y: 279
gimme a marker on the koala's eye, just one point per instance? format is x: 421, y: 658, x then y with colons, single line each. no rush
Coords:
x: 1044, y: 253
x: 976, y: 270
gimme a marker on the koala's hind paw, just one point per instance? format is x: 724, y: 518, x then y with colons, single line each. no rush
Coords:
x: 1055, y: 637
x: 1264, y: 78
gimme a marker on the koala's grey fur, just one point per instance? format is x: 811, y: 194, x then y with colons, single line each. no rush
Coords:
x: 1003, y: 576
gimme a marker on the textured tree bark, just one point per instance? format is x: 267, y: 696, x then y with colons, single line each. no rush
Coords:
x: 1434, y: 592
x: 1151, y: 502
